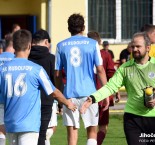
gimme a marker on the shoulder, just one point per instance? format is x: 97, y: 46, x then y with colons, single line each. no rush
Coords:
x: 105, y: 53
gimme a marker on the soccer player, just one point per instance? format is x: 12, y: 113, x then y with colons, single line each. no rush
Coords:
x: 135, y: 75
x: 78, y: 55
x: 6, y: 56
x: 20, y: 82
x: 8, y: 53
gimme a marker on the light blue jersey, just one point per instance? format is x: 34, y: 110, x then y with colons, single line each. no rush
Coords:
x: 5, y: 57
x: 20, y: 82
x: 78, y: 55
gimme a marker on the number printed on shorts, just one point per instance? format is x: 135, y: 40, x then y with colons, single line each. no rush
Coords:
x: 75, y: 56
x: 19, y: 88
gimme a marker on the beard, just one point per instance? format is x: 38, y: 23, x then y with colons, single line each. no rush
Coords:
x: 138, y: 56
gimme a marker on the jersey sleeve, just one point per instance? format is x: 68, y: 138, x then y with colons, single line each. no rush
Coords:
x: 45, y: 82
x: 111, y: 87
x: 97, y: 55
x: 58, y: 62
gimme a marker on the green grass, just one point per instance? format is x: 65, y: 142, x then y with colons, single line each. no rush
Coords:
x: 115, y: 134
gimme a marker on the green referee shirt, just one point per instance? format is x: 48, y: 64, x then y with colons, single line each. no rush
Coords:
x: 135, y: 78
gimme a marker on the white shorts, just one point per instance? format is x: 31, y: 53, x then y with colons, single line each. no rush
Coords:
x: 90, y: 118
x: 28, y: 138
x: 53, y: 120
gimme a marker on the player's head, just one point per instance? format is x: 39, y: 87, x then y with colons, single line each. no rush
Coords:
x: 129, y: 48
x: 94, y: 35
x: 9, y: 43
x: 76, y: 24
x: 150, y: 30
x: 2, y: 46
x: 15, y: 28
x: 22, y: 40
x: 106, y: 45
x: 140, y: 45
x: 41, y: 37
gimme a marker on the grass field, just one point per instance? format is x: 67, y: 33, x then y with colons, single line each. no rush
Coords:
x: 115, y: 135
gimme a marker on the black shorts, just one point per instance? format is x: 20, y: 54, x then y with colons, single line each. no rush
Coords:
x: 139, y: 130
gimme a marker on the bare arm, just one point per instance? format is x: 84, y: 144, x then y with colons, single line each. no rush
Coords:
x: 101, y: 74
x: 58, y: 79
x: 60, y: 97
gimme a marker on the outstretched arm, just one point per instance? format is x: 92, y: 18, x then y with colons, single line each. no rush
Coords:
x: 86, y: 105
x: 60, y: 97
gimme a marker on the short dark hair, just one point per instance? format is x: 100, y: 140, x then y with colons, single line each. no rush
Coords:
x: 21, y: 40
x: 14, y: 26
x: 105, y: 43
x: 147, y: 28
x: 8, y: 40
x: 40, y: 35
x: 75, y: 24
x: 94, y: 35
x: 2, y: 44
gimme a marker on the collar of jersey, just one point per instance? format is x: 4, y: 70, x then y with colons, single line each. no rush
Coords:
x: 141, y: 66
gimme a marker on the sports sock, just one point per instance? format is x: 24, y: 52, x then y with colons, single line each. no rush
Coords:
x: 47, y: 142
x: 91, y: 141
x: 100, y: 137
x: 2, y: 139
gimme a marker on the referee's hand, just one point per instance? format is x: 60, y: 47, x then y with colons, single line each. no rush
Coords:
x: 85, y: 105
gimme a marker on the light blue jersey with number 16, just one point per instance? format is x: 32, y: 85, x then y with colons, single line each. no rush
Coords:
x: 20, y: 82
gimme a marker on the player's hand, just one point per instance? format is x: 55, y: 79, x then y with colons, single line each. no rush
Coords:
x: 106, y: 102
x: 2, y: 129
x: 71, y: 105
x: 118, y: 97
x: 85, y: 105
x: 151, y: 104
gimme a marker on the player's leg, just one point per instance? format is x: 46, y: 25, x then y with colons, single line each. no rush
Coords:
x: 52, y: 124
x: 102, y: 124
x: 71, y: 121
x: 90, y: 119
x: 28, y: 138
x: 2, y: 127
x: 72, y: 135
x: 91, y: 135
x: 2, y: 135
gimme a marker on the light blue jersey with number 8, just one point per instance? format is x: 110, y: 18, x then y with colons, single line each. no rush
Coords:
x: 78, y: 55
